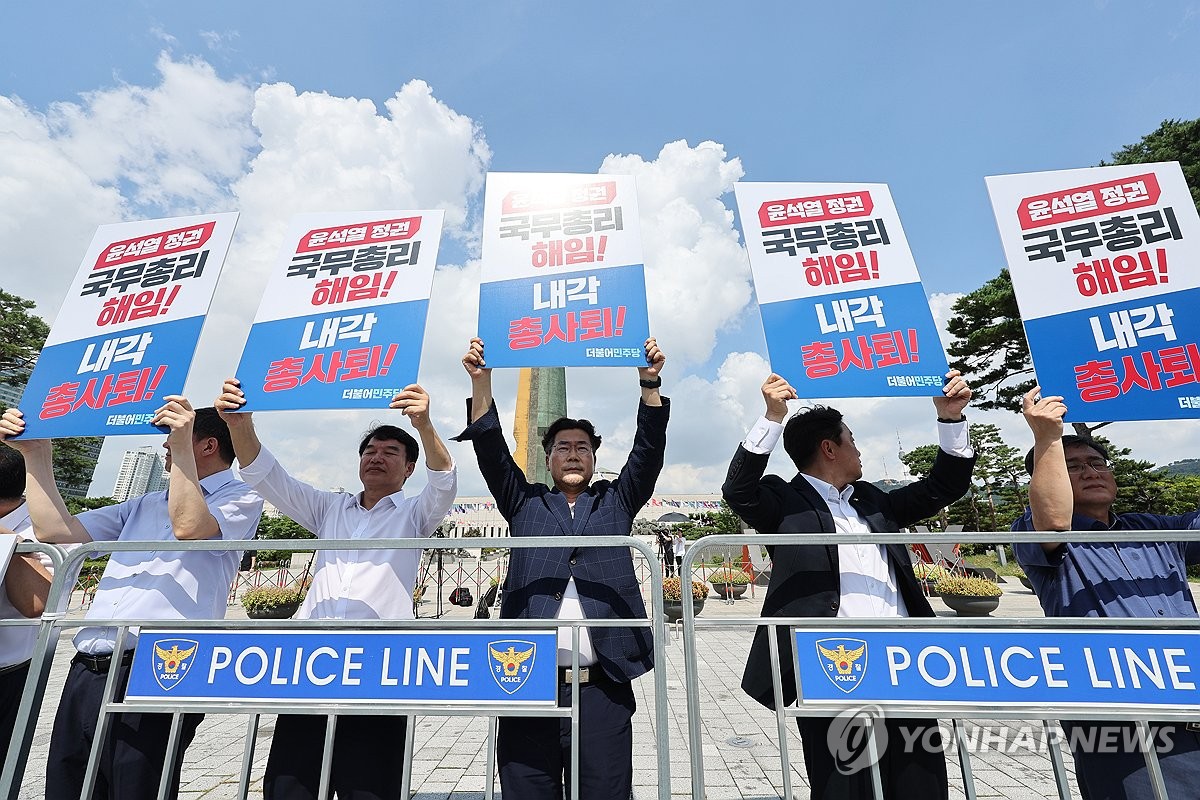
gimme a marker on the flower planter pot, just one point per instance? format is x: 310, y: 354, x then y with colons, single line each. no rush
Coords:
x: 966, y: 606
x: 673, y: 609
x: 278, y: 612
x: 734, y: 590
x: 930, y: 588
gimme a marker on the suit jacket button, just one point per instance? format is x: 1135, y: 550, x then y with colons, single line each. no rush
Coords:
x: 572, y: 562
x: 558, y: 595
x: 833, y: 606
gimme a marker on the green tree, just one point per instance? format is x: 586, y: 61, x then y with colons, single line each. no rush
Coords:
x: 989, y: 344
x: 22, y: 335
x: 1173, y: 140
x: 280, y: 528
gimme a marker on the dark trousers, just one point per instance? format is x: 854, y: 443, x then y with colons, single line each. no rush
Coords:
x: 1109, y: 765
x: 534, y: 754
x: 12, y: 684
x: 134, y: 752
x: 912, y: 763
x: 368, y: 757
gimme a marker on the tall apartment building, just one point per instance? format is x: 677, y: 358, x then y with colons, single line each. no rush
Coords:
x: 142, y: 471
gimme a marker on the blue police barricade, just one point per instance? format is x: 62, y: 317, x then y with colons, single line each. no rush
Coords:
x: 450, y: 667
x: 1119, y: 670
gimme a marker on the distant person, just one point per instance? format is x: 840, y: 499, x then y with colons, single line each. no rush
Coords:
x: 574, y: 583
x: 1072, y: 489
x: 203, y: 501
x: 678, y: 545
x: 666, y: 551
x: 351, y: 584
x: 828, y: 495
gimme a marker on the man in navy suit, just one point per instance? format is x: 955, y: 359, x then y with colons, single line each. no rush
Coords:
x: 848, y: 580
x: 574, y: 583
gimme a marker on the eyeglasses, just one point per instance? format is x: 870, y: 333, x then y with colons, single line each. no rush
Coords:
x: 564, y: 449
x: 1097, y: 464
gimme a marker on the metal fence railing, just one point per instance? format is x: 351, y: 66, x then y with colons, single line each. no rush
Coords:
x: 1139, y: 715
x: 54, y: 621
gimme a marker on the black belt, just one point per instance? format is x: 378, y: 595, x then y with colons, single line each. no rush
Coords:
x: 13, y: 667
x: 101, y: 663
x: 586, y: 675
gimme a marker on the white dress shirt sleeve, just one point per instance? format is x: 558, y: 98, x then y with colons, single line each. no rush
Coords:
x: 955, y: 439
x: 303, y: 503
x: 436, y: 498
x: 763, y: 437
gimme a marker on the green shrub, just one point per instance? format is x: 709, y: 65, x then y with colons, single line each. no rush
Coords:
x: 672, y: 589
x: 269, y: 598
x: 968, y: 587
x: 728, y: 577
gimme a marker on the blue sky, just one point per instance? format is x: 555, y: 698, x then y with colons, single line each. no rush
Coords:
x: 926, y: 97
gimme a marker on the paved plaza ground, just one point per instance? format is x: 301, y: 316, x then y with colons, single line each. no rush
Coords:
x: 741, y: 756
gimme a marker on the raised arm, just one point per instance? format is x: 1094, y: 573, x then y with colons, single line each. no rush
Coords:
x: 651, y: 374
x: 1051, y: 500
x: 47, y: 511
x: 645, y: 462
x: 240, y: 423
x: 191, y: 519
x: 481, y: 379
x: 756, y: 504
x: 504, y: 478
x: 413, y: 402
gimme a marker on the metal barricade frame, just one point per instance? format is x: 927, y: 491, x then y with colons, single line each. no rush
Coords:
x: 53, y: 622
x: 1051, y: 713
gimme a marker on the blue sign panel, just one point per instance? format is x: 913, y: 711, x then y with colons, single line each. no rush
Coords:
x: 349, y: 358
x: 872, y: 342
x: 429, y: 667
x: 1000, y: 667
x: 109, y: 384
x: 594, y: 318
x: 1132, y: 360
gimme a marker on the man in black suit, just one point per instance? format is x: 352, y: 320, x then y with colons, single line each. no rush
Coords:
x: 829, y: 496
x: 574, y: 583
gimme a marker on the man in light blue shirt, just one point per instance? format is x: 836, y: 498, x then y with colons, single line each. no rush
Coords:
x: 1073, y: 489
x: 203, y: 501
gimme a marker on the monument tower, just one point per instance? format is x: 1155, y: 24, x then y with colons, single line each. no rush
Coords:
x: 541, y: 399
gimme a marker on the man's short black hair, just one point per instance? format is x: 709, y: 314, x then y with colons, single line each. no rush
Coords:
x: 209, y: 423
x: 12, y: 474
x: 567, y: 424
x: 804, y: 432
x: 390, y: 433
x: 1070, y: 440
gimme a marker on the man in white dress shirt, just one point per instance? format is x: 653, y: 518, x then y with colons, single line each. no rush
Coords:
x: 23, y: 592
x: 351, y: 584
x: 828, y: 495
x: 203, y: 501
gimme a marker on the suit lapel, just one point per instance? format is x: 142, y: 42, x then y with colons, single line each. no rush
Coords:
x: 806, y: 490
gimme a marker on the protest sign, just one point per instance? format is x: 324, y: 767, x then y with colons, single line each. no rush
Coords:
x: 842, y: 305
x: 343, y: 317
x: 1105, y: 263
x: 125, y: 336
x: 563, y: 283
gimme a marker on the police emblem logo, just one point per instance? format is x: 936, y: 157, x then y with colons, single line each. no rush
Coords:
x: 173, y: 659
x: 511, y: 663
x: 844, y: 661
